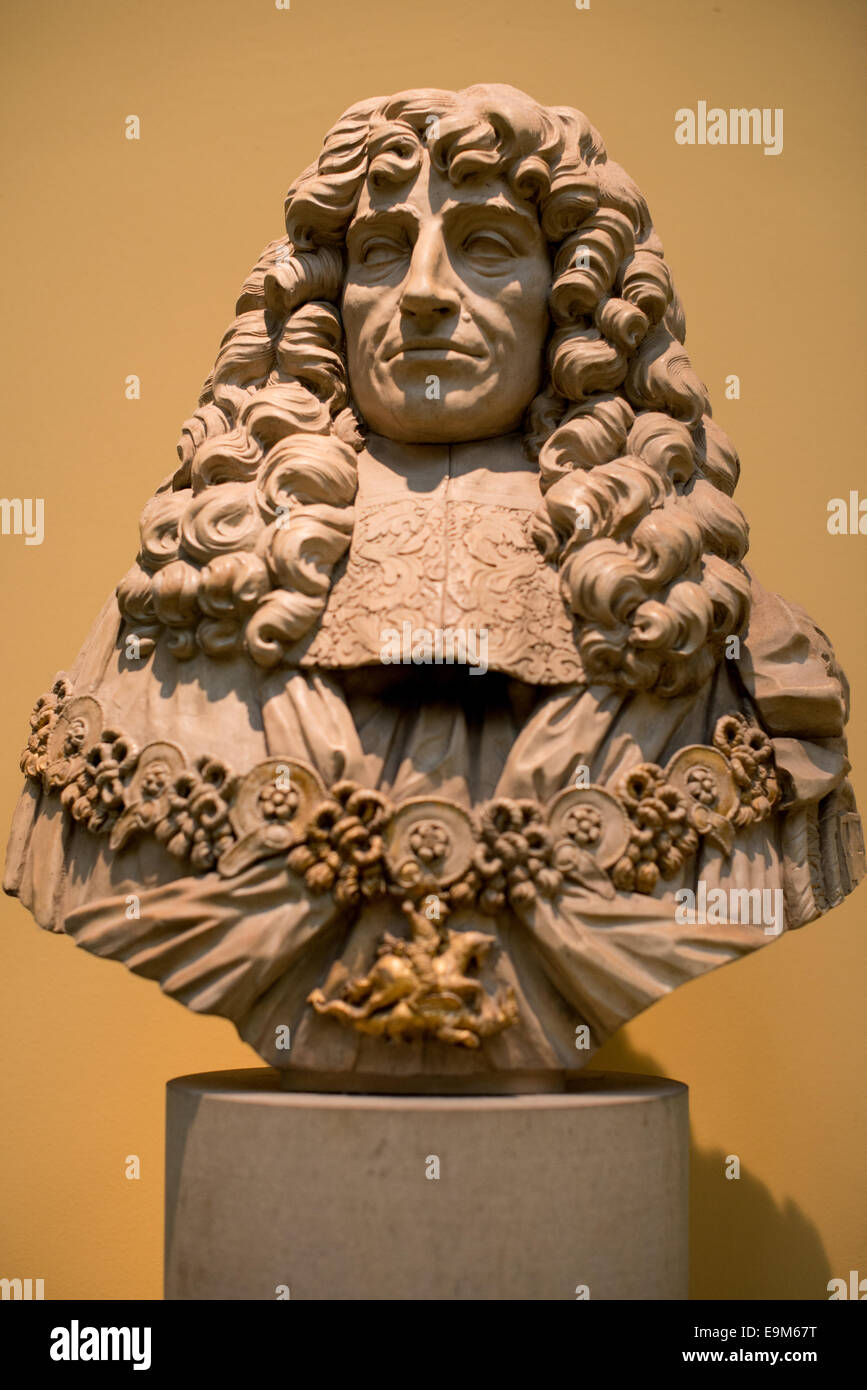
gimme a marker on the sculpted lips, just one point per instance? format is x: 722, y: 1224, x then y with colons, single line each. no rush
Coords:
x: 425, y: 346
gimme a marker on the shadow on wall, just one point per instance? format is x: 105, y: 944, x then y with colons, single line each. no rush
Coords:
x: 742, y: 1243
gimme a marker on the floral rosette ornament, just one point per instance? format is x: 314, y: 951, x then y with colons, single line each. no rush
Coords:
x: 429, y: 851
x: 750, y: 755
x: 662, y: 836
x: 704, y: 778
x: 46, y: 713
x: 591, y: 833
x: 514, y: 857
x: 344, y: 846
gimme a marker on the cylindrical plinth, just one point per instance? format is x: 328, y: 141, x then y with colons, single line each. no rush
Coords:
x: 273, y: 1193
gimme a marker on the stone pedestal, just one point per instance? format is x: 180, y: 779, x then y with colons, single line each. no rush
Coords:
x: 273, y: 1193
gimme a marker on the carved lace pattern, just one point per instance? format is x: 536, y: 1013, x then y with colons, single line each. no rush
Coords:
x: 449, y: 564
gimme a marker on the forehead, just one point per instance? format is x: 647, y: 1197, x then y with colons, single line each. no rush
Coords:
x: 429, y: 193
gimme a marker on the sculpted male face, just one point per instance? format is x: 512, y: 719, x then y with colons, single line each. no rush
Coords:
x: 445, y: 309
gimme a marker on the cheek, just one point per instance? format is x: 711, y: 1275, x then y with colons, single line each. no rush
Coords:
x: 353, y: 316
x: 362, y: 316
x: 517, y: 325
x: 518, y: 305
x: 533, y: 305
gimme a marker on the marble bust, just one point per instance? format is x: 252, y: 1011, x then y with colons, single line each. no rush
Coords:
x: 439, y: 726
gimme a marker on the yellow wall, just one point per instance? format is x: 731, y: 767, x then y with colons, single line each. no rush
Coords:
x: 122, y: 257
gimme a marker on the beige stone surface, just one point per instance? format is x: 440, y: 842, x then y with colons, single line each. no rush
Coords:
x: 271, y: 1193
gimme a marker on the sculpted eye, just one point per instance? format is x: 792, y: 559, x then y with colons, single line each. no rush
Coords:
x: 488, y: 248
x: 382, y: 250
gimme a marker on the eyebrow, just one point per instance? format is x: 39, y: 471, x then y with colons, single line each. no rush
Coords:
x: 498, y: 204
x: 405, y: 212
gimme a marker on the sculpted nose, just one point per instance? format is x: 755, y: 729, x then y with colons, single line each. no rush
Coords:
x: 429, y: 292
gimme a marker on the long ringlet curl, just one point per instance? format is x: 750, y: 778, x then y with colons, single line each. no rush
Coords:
x: 239, y: 546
